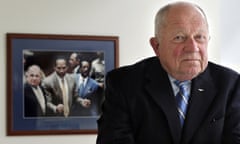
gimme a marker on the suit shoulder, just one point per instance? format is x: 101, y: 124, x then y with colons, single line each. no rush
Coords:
x: 222, y: 70
x: 221, y: 74
x: 26, y: 85
x: 92, y: 80
x: 134, y: 70
x: 48, y: 81
x: 49, y: 77
x: 70, y: 76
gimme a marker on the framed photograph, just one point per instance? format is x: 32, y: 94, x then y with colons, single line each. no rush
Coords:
x: 55, y: 83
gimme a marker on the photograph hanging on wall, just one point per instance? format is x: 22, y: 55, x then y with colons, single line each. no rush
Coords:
x: 56, y: 82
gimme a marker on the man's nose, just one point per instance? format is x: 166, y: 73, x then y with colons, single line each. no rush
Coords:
x: 191, y: 45
x: 61, y: 70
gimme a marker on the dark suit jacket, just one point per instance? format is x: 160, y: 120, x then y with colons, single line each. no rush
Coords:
x: 32, y: 107
x: 140, y: 107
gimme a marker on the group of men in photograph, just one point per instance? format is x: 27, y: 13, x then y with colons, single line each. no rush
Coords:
x: 72, y: 89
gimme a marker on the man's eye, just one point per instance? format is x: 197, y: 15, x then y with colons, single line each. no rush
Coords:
x: 200, y: 38
x: 179, y: 38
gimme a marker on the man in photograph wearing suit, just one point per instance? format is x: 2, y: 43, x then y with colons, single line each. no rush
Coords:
x: 62, y: 89
x: 87, y: 89
x: 35, y: 102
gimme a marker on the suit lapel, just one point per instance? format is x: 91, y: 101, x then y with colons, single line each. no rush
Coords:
x: 159, y: 88
x: 202, y: 94
x: 69, y: 84
x: 33, y: 95
x: 57, y: 87
x: 44, y: 94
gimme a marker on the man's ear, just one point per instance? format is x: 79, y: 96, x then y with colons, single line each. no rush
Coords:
x: 155, y: 45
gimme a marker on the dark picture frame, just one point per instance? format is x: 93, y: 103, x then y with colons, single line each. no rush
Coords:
x: 26, y: 49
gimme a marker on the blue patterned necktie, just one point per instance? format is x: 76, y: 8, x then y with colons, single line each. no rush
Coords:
x: 182, y: 99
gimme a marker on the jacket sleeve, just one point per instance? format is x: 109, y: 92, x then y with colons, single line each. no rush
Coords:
x: 114, y: 124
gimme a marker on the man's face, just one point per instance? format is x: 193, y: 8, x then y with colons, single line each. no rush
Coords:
x: 73, y: 62
x: 182, y: 43
x: 33, y: 77
x: 85, y: 67
x: 61, y: 67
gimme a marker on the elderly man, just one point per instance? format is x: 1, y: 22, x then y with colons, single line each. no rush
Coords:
x: 35, y: 97
x: 177, y: 97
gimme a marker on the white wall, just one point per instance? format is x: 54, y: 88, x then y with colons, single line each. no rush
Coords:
x: 230, y: 33
x: 131, y: 20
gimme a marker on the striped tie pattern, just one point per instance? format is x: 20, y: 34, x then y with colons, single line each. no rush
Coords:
x: 182, y: 99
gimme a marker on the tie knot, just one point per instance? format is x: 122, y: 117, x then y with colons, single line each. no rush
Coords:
x: 183, y: 86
